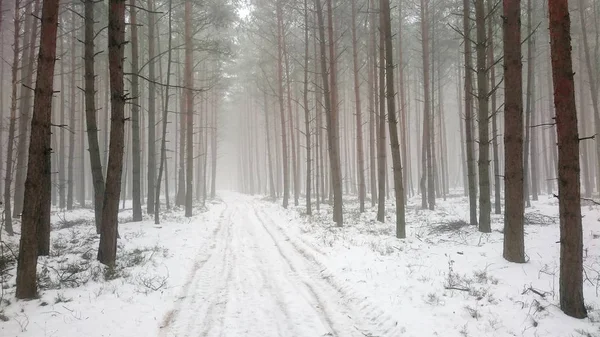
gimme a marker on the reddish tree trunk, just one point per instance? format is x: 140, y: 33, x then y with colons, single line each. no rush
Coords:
x: 107, y: 251
x: 571, y: 236
x: 36, y: 211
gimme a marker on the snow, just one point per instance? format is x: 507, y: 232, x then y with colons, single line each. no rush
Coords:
x: 247, y: 267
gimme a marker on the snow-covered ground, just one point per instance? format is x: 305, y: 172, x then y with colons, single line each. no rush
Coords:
x: 247, y: 267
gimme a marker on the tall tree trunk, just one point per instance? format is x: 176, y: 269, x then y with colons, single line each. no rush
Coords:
x: 494, y: 111
x: 381, y: 144
x: 295, y: 173
x: 333, y: 126
x: 165, y: 115
x: 214, y: 147
x: 330, y: 112
x: 307, y: 117
x: 180, y: 198
x: 36, y: 213
x: 107, y: 251
x: 136, y: 160
x: 483, y: 94
x: 514, y: 247
x: 471, y: 175
x: 284, y: 146
x: 189, y: 100
x: 90, y: 113
x: 403, y: 104
x: 27, y: 66
x: 151, y: 176
x: 427, y: 182
x: 359, y: 132
x: 392, y: 120
x: 371, y: 65
x: 12, y: 123
x: 571, y: 236
x: 62, y: 203
x: 528, y: 104
x: 72, y: 108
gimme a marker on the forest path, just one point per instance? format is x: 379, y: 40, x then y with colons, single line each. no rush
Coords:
x: 256, y: 282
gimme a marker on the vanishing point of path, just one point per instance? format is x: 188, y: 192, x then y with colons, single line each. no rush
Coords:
x: 254, y: 281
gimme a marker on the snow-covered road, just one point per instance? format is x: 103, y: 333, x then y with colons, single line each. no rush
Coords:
x: 255, y: 282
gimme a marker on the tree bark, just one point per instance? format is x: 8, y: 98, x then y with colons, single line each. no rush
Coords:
x: 514, y: 247
x: 494, y: 111
x: 381, y: 143
x: 151, y: 175
x: 307, y: 117
x: 571, y: 236
x: 107, y: 251
x: 472, y: 179
x: 36, y: 211
x: 189, y: 102
x: 284, y: 146
x: 136, y: 160
x: 392, y: 121
x: 165, y: 115
x: 485, y: 207
x: 330, y: 112
x: 427, y: 182
x: 90, y: 113
x: 27, y: 66
x: 359, y: 132
x: 12, y: 123
x: 72, y: 108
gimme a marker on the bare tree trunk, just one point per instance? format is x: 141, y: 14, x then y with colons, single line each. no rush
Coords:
x: 213, y: 182
x: 107, y: 251
x: 136, y: 163
x: 427, y: 190
x: 403, y: 104
x: 151, y: 176
x: 272, y: 193
x: 371, y: 65
x: 189, y: 99
x: 295, y: 173
x: 359, y: 132
x: 463, y: 157
x: 61, y: 138
x: 72, y: 108
x: 494, y: 112
x: 36, y: 213
x: 571, y: 236
x: 528, y: 104
x: 180, y: 198
x: 381, y: 144
x: 392, y: 120
x: 483, y: 92
x: 472, y: 179
x: 330, y: 111
x: 307, y: 116
x: 165, y: 115
x: 12, y: 123
x: 27, y: 66
x: 514, y: 247
x: 90, y: 113
x: 333, y: 126
x: 284, y: 146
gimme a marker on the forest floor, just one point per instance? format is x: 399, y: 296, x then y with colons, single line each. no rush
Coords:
x: 246, y: 267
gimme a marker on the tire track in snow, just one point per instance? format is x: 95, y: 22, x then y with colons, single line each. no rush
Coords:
x: 329, y: 316
x: 378, y: 322
x: 186, y: 292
